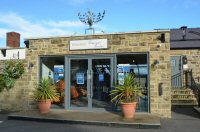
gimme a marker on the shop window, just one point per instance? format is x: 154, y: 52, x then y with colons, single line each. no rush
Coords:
x: 53, y: 68
x: 137, y: 64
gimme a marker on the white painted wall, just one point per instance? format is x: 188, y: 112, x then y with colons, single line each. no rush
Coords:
x: 13, y: 54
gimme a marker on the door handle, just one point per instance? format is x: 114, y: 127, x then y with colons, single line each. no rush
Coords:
x: 88, y: 83
x: 91, y: 83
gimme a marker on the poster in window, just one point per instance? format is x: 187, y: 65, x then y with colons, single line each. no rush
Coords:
x: 101, y: 77
x: 80, y: 78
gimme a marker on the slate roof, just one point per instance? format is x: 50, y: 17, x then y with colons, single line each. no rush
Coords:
x: 192, y: 39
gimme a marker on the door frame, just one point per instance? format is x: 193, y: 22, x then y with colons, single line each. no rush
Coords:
x: 68, y: 77
x: 114, y: 75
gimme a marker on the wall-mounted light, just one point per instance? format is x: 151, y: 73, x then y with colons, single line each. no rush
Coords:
x: 156, y: 62
x: 26, y: 42
x: 161, y: 38
x: 184, y: 60
x: 185, y: 63
x: 31, y: 65
x: 3, y: 51
x: 154, y: 65
x: 160, y: 89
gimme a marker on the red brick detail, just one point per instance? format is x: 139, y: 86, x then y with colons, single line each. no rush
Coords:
x: 13, y: 39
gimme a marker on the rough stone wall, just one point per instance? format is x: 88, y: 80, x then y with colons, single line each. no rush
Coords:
x: 117, y: 43
x: 18, y: 97
x: 193, y: 57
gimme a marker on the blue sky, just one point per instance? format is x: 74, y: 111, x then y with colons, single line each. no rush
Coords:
x: 40, y: 18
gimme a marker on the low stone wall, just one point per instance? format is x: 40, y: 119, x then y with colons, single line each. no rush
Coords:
x: 18, y: 97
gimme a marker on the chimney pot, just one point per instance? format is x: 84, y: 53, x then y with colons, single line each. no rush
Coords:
x: 13, y: 39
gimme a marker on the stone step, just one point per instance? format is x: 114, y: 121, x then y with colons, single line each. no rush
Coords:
x: 141, y: 120
x: 192, y: 99
x: 183, y: 97
x: 184, y: 104
x: 182, y: 92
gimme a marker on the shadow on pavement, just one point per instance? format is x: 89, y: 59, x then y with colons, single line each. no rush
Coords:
x: 184, y: 112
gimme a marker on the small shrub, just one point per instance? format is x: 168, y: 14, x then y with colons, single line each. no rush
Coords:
x: 13, y: 70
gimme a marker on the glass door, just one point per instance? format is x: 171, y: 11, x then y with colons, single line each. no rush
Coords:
x: 90, y: 80
x: 101, y: 83
x: 79, y: 83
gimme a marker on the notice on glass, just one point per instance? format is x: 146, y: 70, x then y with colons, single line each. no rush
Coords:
x: 80, y: 78
x: 101, y: 77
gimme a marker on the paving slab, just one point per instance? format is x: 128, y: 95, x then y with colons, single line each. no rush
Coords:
x: 141, y: 120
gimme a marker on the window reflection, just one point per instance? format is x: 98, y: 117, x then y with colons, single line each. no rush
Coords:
x: 137, y: 64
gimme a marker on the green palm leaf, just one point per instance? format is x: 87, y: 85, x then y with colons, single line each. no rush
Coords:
x: 129, y: 92
x: 45, y: 90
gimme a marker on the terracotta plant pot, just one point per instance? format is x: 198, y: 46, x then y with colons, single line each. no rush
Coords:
x: 128, y: 109
x: 44, y: 106
x: 62, y: 85
x: 74, y: 92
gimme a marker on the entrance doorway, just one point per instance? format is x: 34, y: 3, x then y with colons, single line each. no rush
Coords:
x: 89, y: 82
x: 84, y: 81
x: 176, y: 72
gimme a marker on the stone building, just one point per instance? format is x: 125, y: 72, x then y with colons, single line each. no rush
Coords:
x: 162, y: 60
x: 104, y: 60
x: 185, y: 63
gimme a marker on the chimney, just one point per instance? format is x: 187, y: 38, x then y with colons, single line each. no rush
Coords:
x: 13, y: 39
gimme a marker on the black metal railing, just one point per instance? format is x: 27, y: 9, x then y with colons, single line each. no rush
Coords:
x: 185, y: 79
x: 196, y: 89
x: 191, y: 83
x: 176, y: 81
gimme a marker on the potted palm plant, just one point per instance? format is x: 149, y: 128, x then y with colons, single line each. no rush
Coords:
x: 127, y: 95
x: 44, y: 94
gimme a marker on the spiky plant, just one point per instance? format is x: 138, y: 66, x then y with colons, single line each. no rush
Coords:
x: 129, y: 92
x: 45, y: 90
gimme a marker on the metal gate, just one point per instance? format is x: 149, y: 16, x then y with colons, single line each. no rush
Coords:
x: 176, y: 72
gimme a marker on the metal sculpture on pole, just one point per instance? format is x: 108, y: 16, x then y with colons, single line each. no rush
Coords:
x: 90, y: 18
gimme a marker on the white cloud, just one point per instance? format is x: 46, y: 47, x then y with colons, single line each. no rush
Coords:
x: 64, y: 24
x: 2, y: 32
x: 27, y: 28
x: 14, y: 22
